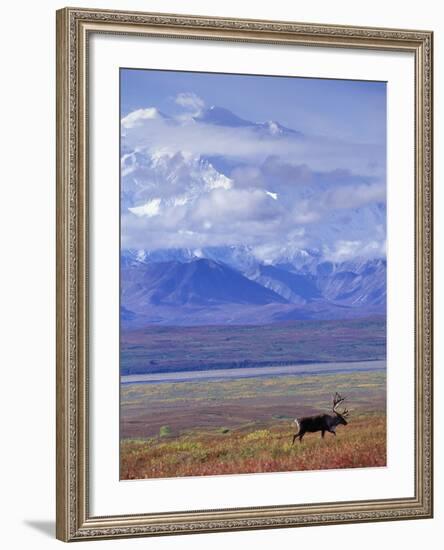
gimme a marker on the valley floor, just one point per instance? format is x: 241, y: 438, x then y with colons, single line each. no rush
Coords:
x: 233, y: 426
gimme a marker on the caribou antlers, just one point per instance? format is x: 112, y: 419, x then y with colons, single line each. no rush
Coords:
x: 337, y: 400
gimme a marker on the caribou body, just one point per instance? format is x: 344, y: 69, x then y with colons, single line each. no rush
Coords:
x: 322, y: 422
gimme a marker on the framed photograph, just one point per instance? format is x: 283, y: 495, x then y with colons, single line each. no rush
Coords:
x: 244, y: 274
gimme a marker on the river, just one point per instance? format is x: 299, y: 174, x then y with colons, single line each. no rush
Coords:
x: 254, y: 372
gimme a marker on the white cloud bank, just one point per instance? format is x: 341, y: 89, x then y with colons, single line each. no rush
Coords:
x: 191, y: 184
x: 147, y: 129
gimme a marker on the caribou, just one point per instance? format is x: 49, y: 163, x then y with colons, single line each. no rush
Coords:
x: 322, y: 422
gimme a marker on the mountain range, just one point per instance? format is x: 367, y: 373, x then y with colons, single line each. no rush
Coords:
x: 305, y: 218
x: 228, y: 285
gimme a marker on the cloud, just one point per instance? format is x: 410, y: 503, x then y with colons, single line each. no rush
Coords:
x: 344, y: 250
x: 354, y: 196
x: 248, y: 175
x: 310, y: 195
x: 229, y: 205
x: 194, y: 185
x: 198, y: 138
x: 149, y: 209
x: 138, y: 117
x: 177, y: 199
x: 191, y: 102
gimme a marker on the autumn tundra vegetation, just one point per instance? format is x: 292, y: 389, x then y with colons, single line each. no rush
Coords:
x: 237, y: 426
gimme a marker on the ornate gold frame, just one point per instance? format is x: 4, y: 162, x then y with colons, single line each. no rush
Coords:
x: 73, y: 519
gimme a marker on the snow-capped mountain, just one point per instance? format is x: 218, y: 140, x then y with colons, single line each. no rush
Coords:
x: 220, y: 116
x: 165, y: 179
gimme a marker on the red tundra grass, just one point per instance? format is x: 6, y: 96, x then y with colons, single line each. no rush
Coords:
x: 360, y: 444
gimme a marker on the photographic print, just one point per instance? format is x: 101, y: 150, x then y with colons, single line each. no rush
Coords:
x: 244, y: 274
x: 252, y: 274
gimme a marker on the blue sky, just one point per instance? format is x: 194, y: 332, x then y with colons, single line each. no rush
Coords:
x: 194, y: 176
